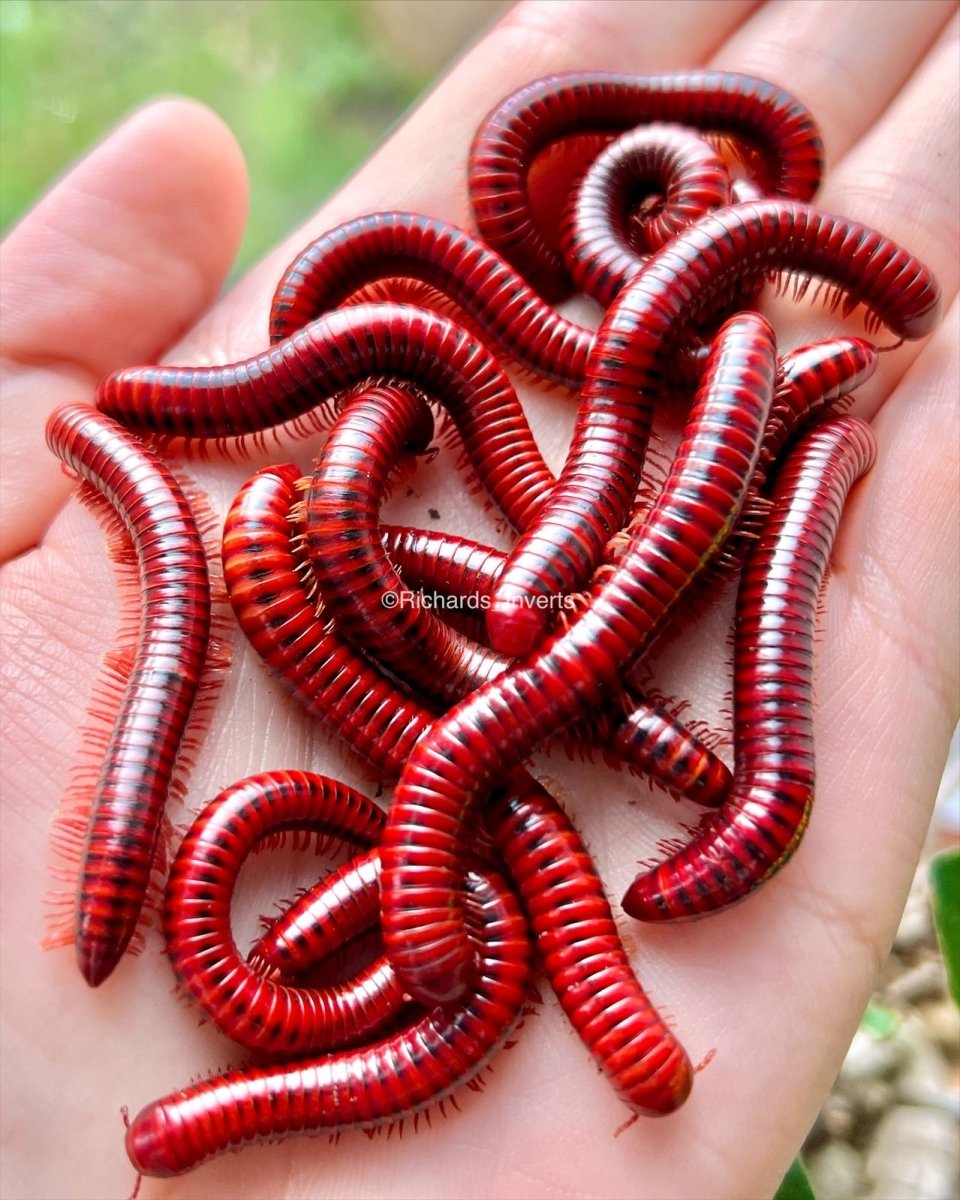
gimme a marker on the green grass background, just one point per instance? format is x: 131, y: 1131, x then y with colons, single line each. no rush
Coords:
x: 307, y: 86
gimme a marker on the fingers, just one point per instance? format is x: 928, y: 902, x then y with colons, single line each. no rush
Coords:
x: 901, y: 177
x: 111, y: 266
x: 886, y: 104
x: 845, y: 61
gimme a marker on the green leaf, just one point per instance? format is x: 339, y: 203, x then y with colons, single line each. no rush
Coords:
x: 944, y: 876
x: 796, y: 1184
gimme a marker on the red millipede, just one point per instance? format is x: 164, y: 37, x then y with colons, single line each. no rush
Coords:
x: 254, y: 1010
x: 582, y: 954
x: 272, y: 607
x: 814, y: 381
x: 491, y: 294
x: 629, y: 732
x: 355, y: 1089
x: 141, y: 754
x: 602, y: 248
x: 492, y: 298
x: 330, y: 356
x: 500, y: 723
x: 593, y: 495
x: 770, y: 120
x: 761, y: 823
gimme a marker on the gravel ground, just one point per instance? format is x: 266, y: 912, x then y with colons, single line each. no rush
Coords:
x: 889, y: 1128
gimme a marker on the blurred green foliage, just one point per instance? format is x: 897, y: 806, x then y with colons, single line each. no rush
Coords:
x: 305, y: 85
x: 944, y: 875
x: 796, y: 1184
x: 880, y: 1021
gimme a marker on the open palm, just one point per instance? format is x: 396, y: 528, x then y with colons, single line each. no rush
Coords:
x: 116, y: 266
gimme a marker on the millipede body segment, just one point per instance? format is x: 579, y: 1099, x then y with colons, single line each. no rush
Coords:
x: 258, y: 1012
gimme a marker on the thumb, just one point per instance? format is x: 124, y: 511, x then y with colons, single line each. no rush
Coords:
x: 111, y: 266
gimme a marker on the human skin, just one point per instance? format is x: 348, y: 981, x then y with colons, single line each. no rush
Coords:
x: 122, y: 263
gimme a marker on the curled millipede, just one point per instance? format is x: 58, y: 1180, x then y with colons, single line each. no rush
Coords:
x: 400, y: 1075
x: 580, y: 948
x: 601, y: 246
x: 258, y: 1012
x: 546, y: 110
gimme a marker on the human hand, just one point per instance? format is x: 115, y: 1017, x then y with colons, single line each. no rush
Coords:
x: 128, y: 253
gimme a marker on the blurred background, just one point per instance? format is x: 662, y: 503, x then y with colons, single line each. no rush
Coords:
x: 309, y: 87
